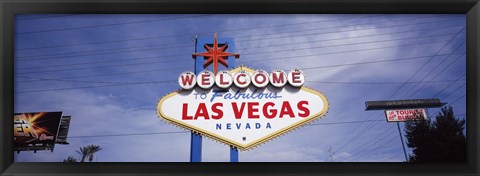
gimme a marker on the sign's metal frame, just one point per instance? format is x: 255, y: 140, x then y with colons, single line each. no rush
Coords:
x: 403, y: 104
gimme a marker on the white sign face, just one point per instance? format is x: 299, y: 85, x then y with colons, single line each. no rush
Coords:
x: 402, y: 115
x: 246, y: 117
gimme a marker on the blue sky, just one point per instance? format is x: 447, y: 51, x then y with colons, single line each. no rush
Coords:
x: 109, y: 71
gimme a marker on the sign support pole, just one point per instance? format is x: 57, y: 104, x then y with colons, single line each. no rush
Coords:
x: 196, y: 139
x: 401, y: 139
x: 233, y: 154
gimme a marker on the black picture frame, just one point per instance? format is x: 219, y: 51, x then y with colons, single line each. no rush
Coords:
x: 11, y: 7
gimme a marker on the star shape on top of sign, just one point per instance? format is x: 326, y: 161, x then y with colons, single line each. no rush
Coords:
x: 215, y: 54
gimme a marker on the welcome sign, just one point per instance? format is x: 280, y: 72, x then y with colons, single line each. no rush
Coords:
x: 242, y: 116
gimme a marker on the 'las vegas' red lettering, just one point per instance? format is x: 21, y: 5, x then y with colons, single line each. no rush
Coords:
x: 301, y: 107
x: 238, y: 112
x: 286, y: 110
x: 216, y: 109
x: 184, y: 112
x: 269, y: 114
x: 201, y: 112
x: 252, y: 107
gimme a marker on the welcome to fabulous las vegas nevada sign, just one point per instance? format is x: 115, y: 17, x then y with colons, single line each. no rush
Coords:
x: 241, y: 107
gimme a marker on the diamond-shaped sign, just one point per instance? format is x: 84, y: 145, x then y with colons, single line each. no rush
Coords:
x: 243, y: 118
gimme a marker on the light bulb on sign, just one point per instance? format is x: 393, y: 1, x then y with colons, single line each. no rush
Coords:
x: 296, y: 78
x: 242, y: 79
x: 205, y: 79
x: 223, y: 79
x: 187, y: 80
x: 260, y: 78
x: 278, y: 78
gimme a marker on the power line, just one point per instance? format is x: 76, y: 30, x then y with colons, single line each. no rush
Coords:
x: 170, y: 132
x: 338, y: 65
x: 178, y: 46
x: 392, y: 157
x: 108, y: 85
x: 439, y: 93
x: 323, y: 82
x: 143, y: 71
x: 369, y: 142
x: 369, y: 126
x: 99, y: 52
x: 455, y: 90
x: 113, y: 24
x: 440, y: 72
x: 122, y: 50
x: 437, y: 75
x: 87, y: 87
x: 130, y: 134
x: 149, y: 82
x: 130, y: 64
x: 100, y: 62
x: 180, y: 35
x: 347, y: 44
x: 388, y: 83
x: 459, y: 98
x: 375, y: 149
x: 369, y: 83
x: 337, y: 31
x: 266, y: 59
x: 100, y: 82
x: 371, y: 62
x: 344, y: 82
x: 116, y: 60
x: 357, y: 126
x: 373, y: 139
x: 112, y: 74
x: 394, y: 131
x: 335, y: 123
x: 339, y: 52
x: 228, y: 30
x: 446, y: 44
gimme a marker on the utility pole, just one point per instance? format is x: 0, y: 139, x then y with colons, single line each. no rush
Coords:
x: 403, y: 143
x: 331, y: 153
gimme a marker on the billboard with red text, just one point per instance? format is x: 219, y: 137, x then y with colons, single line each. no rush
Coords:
x: 402, y: 115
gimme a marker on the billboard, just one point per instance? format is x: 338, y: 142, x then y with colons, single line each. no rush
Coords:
x: 242, y: 117
x: 35, y: 130
x: 63, y: 130
x: 402, y: 115
x: 402, y: 104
